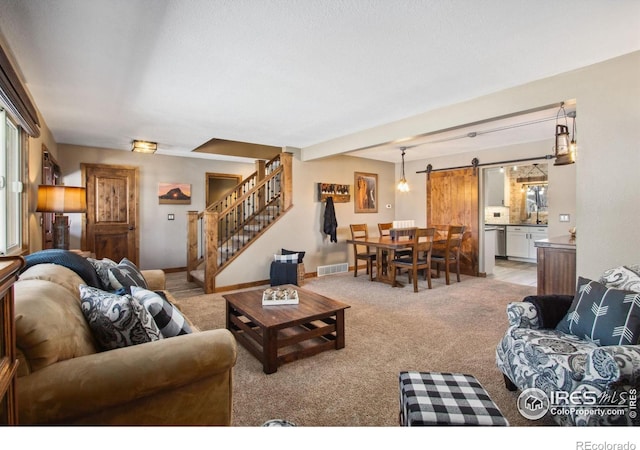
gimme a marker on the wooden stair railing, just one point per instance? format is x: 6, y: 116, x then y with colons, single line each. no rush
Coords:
x: 216, y: 236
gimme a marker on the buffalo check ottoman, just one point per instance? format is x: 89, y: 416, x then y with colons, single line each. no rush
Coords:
x: 438, y: 398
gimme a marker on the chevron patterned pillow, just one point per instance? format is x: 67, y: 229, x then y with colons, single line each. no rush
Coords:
x: 603, y: 315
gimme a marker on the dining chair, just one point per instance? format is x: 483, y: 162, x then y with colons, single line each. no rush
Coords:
x: 448, y: 253
x: 420, y: 258
x: 384, y: 229
x: 362, y: 252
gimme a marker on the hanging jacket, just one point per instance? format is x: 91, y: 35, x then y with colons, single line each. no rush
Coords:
x: 330, y: 222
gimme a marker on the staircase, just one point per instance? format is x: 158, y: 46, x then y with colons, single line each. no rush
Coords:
x: 216, y: 236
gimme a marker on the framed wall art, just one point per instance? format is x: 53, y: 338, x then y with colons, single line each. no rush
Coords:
x: 174, y: 193
x: 366, y: 192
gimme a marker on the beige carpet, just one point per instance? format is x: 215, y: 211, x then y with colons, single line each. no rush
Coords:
x: 446, y: 329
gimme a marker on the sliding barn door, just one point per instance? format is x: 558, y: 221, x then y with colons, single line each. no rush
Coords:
x: 452, y: 199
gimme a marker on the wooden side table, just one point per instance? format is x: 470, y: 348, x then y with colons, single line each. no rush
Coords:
x: 9, y: 268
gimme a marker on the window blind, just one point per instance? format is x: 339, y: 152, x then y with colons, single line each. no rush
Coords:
x: 15, y: 97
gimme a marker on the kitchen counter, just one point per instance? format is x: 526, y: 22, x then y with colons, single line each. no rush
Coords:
x: 556, y: 265
x: 566, y: 242
x: 515, y: 224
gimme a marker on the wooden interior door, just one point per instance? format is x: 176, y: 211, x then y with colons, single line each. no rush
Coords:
x: 452, y: 199
x: 111, y: 229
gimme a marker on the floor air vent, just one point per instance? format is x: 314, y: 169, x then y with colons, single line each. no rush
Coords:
x: 333, y: 268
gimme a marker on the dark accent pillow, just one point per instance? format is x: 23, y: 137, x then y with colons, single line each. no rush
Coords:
x: 117, y: 320
x: 603, y: 315
x: 102, y: 267
x: 551, y: 308
x: 168, y: 319
x: 125, y: 275
x: 291, y: 252
x: 283, y: 273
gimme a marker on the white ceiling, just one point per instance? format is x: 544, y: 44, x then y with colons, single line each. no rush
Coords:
x: 290, y: 72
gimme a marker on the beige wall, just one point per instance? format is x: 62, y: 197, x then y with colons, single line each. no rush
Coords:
x: 300, y: 229
x: 606, y: 179
x: 162, y: 241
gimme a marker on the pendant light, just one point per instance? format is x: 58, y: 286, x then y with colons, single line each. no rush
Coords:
x: 403, y: 186
x: 562, y: 148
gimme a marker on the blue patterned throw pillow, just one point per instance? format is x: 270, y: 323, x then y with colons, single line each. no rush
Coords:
x: 603, y: 315
x: 621, y: 278
x: 125, y: 275
x: 117, y: 320
x: 168, y: 319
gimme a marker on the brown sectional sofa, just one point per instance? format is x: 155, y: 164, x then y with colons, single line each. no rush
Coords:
x: 64, y: 379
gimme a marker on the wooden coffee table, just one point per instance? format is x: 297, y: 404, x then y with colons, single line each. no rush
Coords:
x: 284, y: 333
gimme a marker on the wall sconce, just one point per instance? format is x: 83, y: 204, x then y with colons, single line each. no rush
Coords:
x: 403, y: 186
x: 59, y: 200
x: 144, y: 147
x: 562, y: 149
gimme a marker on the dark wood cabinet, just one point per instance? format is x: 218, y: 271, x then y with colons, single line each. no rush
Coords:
x: 9, y: 268
x: 556, y: 265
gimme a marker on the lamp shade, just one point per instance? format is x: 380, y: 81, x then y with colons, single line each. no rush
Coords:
x: 61, y: 199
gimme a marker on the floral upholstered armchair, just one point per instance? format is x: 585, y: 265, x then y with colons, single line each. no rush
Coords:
x: 587, y: 343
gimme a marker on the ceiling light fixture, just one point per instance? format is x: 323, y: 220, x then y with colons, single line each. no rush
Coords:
x: 403, y: 186
x: 144, y: 146
x: 562, y: 148
x: 528, y: 178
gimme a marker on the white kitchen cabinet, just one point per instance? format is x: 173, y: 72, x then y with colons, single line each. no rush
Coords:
x: 494, y: 187
x: 535, y: 234
x: 520, y: 241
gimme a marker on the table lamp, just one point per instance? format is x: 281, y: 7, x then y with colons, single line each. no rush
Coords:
x: 60, y: 200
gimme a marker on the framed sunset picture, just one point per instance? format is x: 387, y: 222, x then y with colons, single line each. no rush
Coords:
x: 174, y: 193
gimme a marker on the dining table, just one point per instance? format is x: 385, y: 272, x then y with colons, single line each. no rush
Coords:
x: 385, y: 247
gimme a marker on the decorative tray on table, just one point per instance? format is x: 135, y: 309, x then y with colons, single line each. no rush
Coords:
x: 280, y: 296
